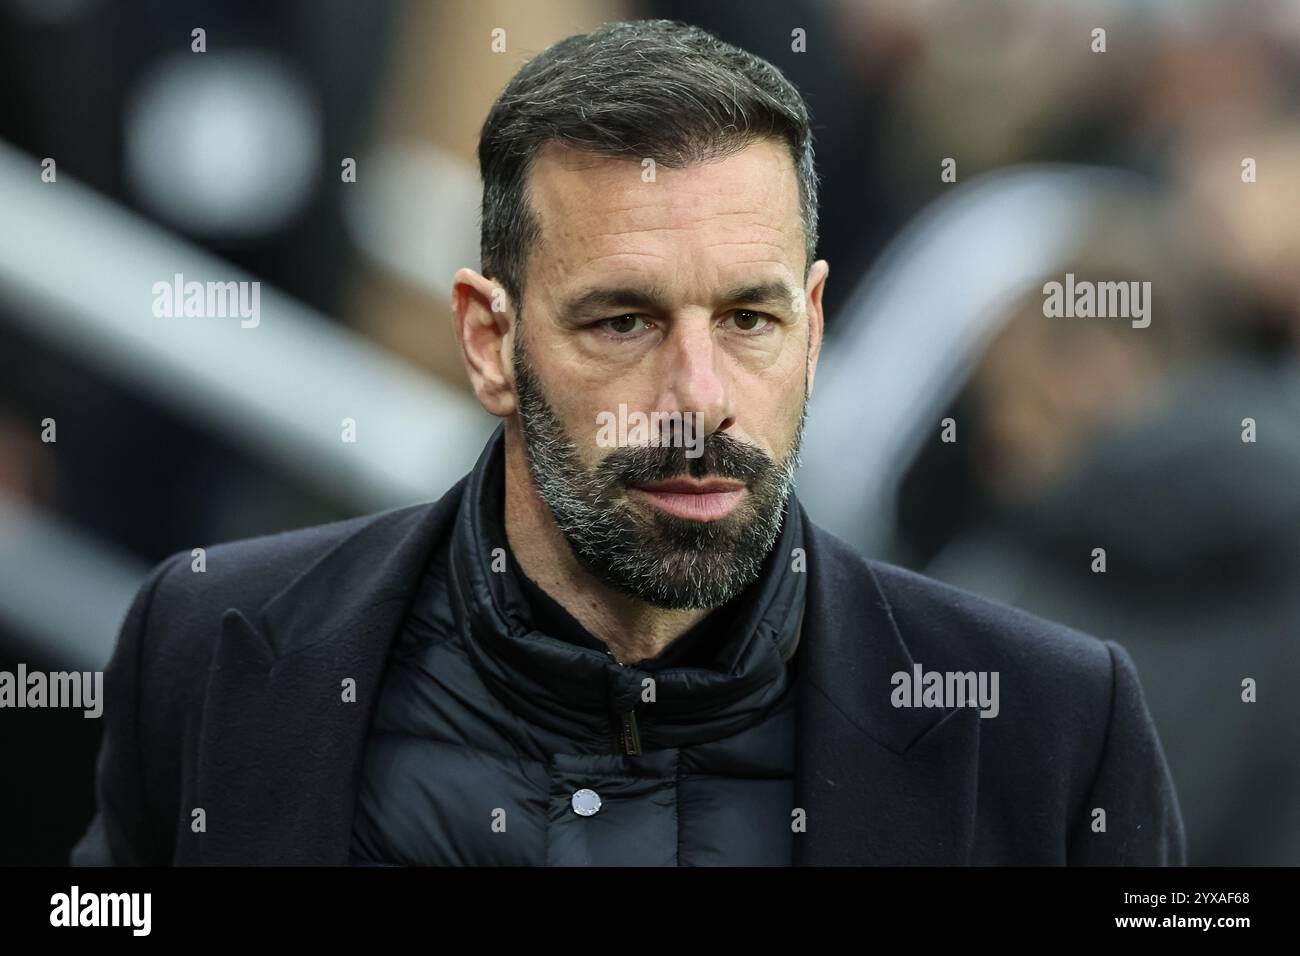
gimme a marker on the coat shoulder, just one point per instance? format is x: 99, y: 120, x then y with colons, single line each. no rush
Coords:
x: 173, y: 631
x: 1070, y: 732
x: 245, y: 573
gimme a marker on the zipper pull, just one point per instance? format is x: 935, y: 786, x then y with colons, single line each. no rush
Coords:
x: 631, y: 735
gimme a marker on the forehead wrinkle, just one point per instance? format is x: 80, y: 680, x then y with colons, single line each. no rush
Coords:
x: 626, y: 253
x: 717, y: 243
x: 773, y: 242
x: 696, y: 215
x: 638, y: 199
x: 638, y: 230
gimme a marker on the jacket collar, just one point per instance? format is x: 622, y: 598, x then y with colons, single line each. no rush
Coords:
x: 280, y: 751
x: 580, y: 691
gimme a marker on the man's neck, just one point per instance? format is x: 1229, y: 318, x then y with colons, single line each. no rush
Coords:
x: 632, y: 629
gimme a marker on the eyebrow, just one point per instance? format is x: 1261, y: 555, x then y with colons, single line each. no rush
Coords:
x: 632, y: 297
x: 761, y: 293
x: 622, y: 297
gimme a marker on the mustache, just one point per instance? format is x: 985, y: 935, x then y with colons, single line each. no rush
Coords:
x: 723, y: 457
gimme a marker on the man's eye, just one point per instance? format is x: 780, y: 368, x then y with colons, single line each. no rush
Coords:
x: 748, y: 321
x: 624, y: 324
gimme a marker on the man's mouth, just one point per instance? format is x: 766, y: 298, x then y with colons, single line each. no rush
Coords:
x: 706, y: 499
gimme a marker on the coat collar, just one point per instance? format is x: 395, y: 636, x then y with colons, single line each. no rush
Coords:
x: 281, y: 751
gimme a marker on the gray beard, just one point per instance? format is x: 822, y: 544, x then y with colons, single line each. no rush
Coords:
x: 663, y: 560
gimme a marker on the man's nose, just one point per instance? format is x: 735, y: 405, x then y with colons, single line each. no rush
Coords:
x: 694, y: 375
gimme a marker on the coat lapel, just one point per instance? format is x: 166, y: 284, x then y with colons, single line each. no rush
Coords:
x: 280, y: 750
x: 881, y: 786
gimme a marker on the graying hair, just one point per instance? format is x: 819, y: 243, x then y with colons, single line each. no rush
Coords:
x: 644, y: 88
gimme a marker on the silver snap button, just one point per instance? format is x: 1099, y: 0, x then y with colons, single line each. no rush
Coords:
x: 585, y: 802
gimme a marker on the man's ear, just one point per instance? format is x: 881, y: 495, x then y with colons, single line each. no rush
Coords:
x: 813, y: 290
x: 484, y: 319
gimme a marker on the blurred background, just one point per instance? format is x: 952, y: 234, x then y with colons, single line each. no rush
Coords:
x: 1172, y: 157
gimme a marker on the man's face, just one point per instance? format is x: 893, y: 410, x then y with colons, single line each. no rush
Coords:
x: 680, y: 293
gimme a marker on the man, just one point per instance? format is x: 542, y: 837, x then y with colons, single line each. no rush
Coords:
x: 617, y: 642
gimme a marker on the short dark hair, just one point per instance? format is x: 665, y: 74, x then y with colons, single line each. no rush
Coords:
x: 644, y: 88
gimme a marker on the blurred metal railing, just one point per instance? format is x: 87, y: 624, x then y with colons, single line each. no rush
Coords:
x: 62, y: 592
x: 78, y: 271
